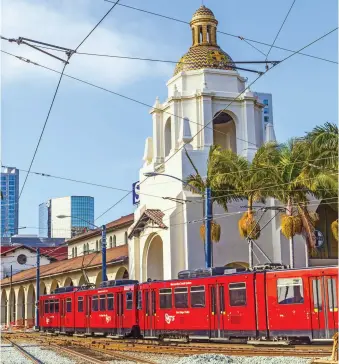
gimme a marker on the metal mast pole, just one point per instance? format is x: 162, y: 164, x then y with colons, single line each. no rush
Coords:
x: 103, y: 253
x: 37, y: 323
x: 208, y: 219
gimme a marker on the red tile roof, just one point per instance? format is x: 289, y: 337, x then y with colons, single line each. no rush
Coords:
x: 114, y: 255
x: 57, y: 253
x: 153, y: 215
x: 113, y: 225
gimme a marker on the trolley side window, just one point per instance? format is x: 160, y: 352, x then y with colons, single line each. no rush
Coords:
x: 181, y: 297
x: 139, y: 306
x: 102, y: 302
x: 237, y: 293
x: 198, y: 296
x: 332, y: 294
x: 51, y: 306
x: 222, y: 298
x: 317, y: 297
x: 165, y: 295
x: 56, y: 306
x: 46, y: 306
x: 147, y: 302
x: 129, y: 300
x: 69, y: 305
x: 290, y: 291
x: 110, y: 302
x: 80, y: 304
x: 154, y: 310
x: 95, y: 303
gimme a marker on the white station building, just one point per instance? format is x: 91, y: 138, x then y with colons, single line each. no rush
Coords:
x: 164, y: 238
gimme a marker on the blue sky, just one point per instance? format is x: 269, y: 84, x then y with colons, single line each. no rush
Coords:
x: 98, y: 137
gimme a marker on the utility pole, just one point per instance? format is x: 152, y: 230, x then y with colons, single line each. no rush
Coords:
x: 10, y: 300
x: 103, y: 253
x: 208, y: 220
x: 37, y: 323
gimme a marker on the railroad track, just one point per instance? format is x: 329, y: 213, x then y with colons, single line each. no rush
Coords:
x: 111, y: 347
x: 25, y: 353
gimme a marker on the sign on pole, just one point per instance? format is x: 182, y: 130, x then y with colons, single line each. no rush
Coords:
x: 319, y: 239
x: 135, y: 192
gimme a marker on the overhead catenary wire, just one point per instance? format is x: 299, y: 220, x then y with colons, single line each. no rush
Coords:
x: 43, y: 129
x: 277, y: 35
x: 225, y: 33
x: 267, y: 70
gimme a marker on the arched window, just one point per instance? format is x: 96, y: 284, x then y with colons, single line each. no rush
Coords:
x: 76, y: 251
x: 208, y: 33
x: 200, y: 34
x: 168, y: 137
x: 97, y: 246
x: 84, y: 249
x: 126, y: 237
x: 100, y: 245
x: 110, y: 241
x: 72, y: 252
x: 114, y: 241
x: 87, y: 248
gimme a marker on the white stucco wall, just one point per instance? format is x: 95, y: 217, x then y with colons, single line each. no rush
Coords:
x: 11, y: 259
x: 92, y: 241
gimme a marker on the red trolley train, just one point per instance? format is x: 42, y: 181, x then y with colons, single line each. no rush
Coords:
x: 267, y: 303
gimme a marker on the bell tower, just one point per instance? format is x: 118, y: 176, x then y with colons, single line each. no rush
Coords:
x: 204, y: 27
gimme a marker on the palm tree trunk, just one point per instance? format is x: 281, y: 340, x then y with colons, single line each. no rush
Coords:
x: 306, y: 255
x: 250, y: 253
x: 291, y: 252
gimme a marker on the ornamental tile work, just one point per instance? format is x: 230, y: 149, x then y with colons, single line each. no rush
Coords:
x: 204, y: 56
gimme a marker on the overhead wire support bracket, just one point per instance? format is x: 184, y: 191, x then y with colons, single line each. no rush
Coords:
x: 22, y: 40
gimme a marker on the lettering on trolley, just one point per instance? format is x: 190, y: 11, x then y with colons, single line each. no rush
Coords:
x: 169, y: 318
x: 107, y: 318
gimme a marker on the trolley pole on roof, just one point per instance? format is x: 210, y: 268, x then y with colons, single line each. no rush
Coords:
x: 103, y: 253
x: 37, y: 322
x: 208, y: 219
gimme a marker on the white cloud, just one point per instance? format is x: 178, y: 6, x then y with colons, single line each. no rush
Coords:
x: 66, y: 25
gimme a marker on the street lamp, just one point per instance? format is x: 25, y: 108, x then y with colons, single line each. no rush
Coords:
x: 208, y: 217
x: 103, y: 242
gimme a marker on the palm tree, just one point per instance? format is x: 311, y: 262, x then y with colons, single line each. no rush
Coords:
x: 247, y: 180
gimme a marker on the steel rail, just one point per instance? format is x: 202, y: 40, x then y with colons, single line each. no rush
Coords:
x: 24, y: 352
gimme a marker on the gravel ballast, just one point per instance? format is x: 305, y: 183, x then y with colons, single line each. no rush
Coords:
x: 223, y: 359
x: 47, y: 356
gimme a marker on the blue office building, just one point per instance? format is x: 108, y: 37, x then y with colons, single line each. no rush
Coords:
x: 9, y: 201
x: 77, y: 212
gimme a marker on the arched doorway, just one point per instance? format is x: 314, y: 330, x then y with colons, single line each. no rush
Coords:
x: 122, y: 273
x: 21, y: 307
x: 327, y: 212
x: 54, y: 285
x: 98, y: 280
x: 154, y: 258
x: 3, y: 307
x: 30, y: 305
x: 68, y: 282
x: 224, y: 131
x: 43, y: 289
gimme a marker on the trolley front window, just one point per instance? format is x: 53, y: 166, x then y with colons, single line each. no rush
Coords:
x: 198, y: 296
x: 181, y: 297
x: 95, y: 303
x: 110, y: 302
x: 165, y: 295
x: 68, y: 305
x: 80, y: 304
x: 129, y: 300
x: 237, y: 292
x: 290, y: 291
x: 102, y: 302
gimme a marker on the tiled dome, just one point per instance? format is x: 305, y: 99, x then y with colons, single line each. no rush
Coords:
x: 199, y: 57
x: 205, y: 52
